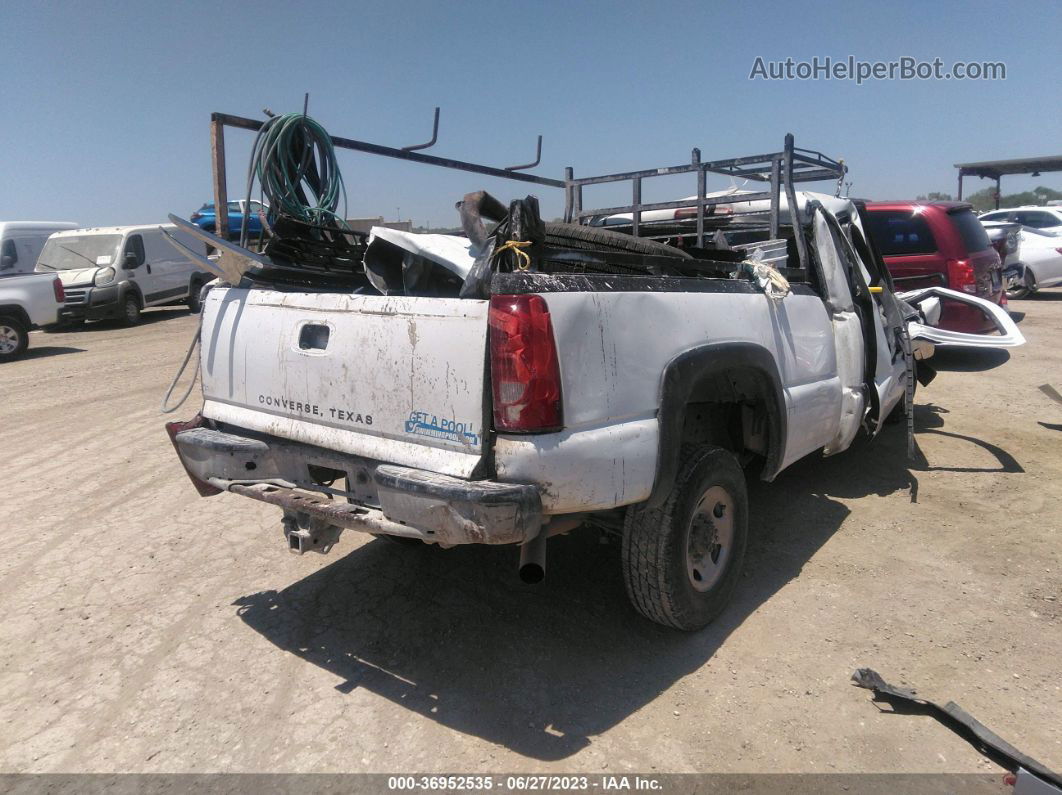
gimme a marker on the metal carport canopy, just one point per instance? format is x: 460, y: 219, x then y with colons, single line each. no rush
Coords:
x: 994, y: 169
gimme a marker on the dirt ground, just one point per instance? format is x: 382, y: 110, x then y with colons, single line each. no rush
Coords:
x: 146, y: 629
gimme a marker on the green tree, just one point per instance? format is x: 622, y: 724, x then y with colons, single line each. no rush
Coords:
x: 985, y: 199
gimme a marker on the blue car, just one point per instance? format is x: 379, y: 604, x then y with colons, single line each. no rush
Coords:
x: 206, y: 218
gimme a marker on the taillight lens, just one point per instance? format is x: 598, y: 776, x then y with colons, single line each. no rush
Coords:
x: 57, y: 288
x: 524, y: 369
x: 961, y: 276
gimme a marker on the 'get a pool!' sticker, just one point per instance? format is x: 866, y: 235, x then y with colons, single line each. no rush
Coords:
x: 422, y: 423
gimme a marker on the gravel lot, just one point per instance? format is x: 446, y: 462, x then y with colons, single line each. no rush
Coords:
x: 146, y: 629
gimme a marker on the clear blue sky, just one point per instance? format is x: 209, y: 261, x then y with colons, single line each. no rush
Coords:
x: 106, y: 105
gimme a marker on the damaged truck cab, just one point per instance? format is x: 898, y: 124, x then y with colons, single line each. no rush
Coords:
x: 504, y: 387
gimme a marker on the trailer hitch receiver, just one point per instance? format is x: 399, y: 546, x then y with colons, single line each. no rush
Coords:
x: 305, y: 533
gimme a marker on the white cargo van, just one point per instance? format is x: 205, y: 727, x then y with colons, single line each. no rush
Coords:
x: 21, y: 243
x: 116, y: 271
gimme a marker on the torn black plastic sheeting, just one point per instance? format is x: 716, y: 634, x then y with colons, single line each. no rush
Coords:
x: 962, y: 723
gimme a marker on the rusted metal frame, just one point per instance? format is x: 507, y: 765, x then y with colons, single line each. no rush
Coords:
x: 735, y: 167
x: 702, y: 188
x: 399, y: 154
x: 636, y: 206
x: 776, y: 174
x: 569, y: 191
x: 537, y: 160
x: 720, y: 166
x: 818, y: 159
x: 434, y: 135
x: 794, y: 209
x: 221, y: 193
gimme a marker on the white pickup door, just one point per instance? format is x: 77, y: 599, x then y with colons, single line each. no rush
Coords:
x: 395, y: 379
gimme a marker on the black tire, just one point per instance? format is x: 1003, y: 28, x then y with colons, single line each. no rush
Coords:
x: 592, y: 238
x: 195, y: 304
x: 1028, y: 287
x: 13, y: 338
x: 131, y: 309
x: 662, y: 546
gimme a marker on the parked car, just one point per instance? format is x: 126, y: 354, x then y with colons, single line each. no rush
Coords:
x: 27, y: 301
x: 21, y: 243
x: 942, y: 244
x: 1046, y: 219
x: 116, y: 271
x: 1041, y: 257
x: 373, y: 409
x: 206, y: 217
x: 1006, y: 240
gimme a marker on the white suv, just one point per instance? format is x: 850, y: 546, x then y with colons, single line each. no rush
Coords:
x: 1046, y: 219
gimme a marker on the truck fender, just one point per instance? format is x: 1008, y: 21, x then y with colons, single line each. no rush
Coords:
x: 683, y: 374
x: 18, y: 313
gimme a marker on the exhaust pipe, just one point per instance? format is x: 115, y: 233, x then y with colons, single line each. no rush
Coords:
x: 533, y: 558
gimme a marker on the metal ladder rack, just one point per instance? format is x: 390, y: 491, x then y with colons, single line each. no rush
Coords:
x: 780, y: 170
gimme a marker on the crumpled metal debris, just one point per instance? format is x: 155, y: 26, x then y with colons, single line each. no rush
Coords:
x: 962, y: 723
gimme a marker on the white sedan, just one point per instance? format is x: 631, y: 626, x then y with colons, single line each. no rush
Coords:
x: 1046, y: 219
x: 1041, y: 254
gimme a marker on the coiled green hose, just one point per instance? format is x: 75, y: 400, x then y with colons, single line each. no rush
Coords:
x: 295, y: 164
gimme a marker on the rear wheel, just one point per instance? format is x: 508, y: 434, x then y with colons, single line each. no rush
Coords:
x: 1026, y: 289
x: 131, y: 310
x: 13, y: 338
x: 681, y: 562
x: 195, y: 303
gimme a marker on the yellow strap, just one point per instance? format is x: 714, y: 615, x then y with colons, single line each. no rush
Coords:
x: 518, y: 247
x: 875, y: 289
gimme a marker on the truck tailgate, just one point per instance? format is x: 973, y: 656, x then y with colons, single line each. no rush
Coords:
x: 396, y: 379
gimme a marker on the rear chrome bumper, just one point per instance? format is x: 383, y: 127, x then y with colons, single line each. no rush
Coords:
x: 380, y: 498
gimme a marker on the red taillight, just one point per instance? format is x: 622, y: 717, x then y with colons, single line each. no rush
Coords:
x: 961, y: 276
x: 525, y: 372
x: 172, y: 429
x: 57, y: 288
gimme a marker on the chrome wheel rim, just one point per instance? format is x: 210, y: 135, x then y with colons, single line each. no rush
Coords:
x: 8, y: 339
x: 710, y: 538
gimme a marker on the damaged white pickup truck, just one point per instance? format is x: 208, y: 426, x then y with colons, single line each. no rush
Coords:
x: 513, y: 384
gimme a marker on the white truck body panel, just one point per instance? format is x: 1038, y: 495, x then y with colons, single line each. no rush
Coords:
x: 34, y: 294
x: 402, y: 379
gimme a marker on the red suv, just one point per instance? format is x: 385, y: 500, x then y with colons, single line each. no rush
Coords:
x: 939, y: 244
